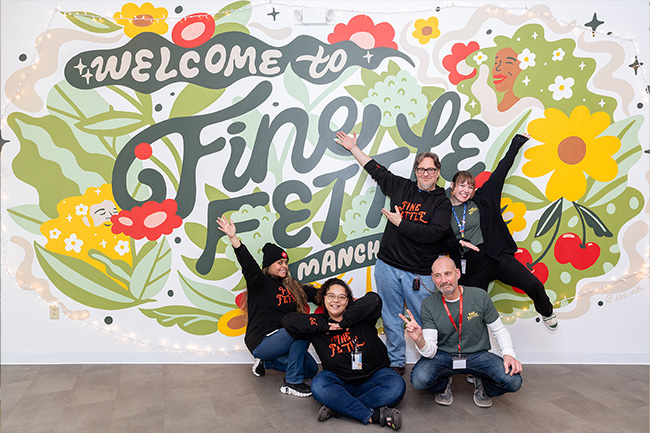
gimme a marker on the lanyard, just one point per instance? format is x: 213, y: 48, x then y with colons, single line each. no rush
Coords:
x: 461, y: 229
x: 458, y: 328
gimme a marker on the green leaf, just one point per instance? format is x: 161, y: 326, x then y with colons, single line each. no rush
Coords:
x: 357, y: 91
x: 191, y: 320
x: 523, y: 190
x: 239, y: 11
x: 197, y: 233
x: 214, y: 194
x: 84, y: 283
x: 432, y: 93
x: 151, y: 273
x: 193, y: 99
x: 91, y: 22
x: 28, y: 216
x: 113, y: 123
x: 115, y: 268
x: 369, y: 78
x: 146, y: 106
x: 393, y: 68
x: 44, y: 175
x: 221, y: 268
x: 207, y: 296
x: 231, y: 27
x: 550, y: 217
x: 295, y: 87
x: 592, y: 220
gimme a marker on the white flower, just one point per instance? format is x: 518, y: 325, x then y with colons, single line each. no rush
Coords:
x: 526, y: 59
x: 562, y: 88
x: 55, y: 233
x: 479, y: 58
x: 73, y: 243
x: 558, y: 55
x: 122, y: 247
x: 81, y: 209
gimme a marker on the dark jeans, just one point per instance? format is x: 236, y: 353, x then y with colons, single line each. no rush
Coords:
x: 281, y: 352
x: 482, y: 269
x: 384, y: 388
x: 431, y: 373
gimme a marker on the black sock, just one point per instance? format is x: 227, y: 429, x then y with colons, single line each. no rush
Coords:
x: 375, y: 416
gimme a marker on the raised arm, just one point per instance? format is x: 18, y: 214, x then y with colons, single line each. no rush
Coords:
x: 228, y: 227
x: 350, y: 143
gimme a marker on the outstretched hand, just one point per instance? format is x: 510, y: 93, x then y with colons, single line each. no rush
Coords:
x: 413, y: 329
x: 466, y: 244
x: 394, y: 217
x: 345, y: 140
x: 228, y: 227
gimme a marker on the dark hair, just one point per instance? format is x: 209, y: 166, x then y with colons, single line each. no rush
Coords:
x: 322, y: 291
x: 294, y: 287
x: 463, y: 176
x: 421, y: 156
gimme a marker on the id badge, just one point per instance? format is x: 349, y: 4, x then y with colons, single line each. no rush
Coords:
x: 356, y: 360
x: 463, y: 266
x: 459, y: 362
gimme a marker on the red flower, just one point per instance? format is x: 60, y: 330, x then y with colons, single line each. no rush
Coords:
x: 193, y: 30
x: 459, y: 52
x: 152, y: 220
x: 363, y: 32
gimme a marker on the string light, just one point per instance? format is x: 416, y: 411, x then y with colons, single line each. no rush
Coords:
x: 111, y: 330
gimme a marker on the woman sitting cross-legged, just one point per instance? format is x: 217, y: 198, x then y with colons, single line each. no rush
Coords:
x: 356, y: 380
x: 271, y: 294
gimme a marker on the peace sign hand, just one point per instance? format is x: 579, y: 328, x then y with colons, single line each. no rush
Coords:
x: 413, y: 329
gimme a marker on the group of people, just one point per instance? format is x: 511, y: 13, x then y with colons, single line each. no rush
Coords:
x: 437, y: 256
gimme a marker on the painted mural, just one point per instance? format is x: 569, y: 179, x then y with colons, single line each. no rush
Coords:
x: 134, y: 131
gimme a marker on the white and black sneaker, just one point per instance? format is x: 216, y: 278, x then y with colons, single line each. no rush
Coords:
x: 258, y: 368
x: 297, y: 389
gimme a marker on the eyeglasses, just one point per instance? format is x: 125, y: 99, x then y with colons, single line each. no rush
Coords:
x: 332, y: 296
x: 428, y: 171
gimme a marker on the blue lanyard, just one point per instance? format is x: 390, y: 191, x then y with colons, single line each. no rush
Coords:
x: 461, y: 228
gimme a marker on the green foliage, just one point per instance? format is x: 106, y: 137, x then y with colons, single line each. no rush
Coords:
x: 191, y: 320
x: 91, y: 22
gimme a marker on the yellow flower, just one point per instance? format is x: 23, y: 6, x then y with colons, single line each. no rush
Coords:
x: 425, y: 30
x: 571, y: 147
x: 145, y: 18
x: 513, y: 214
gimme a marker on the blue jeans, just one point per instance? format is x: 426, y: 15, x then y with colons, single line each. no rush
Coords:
x: 396, y: 287
x: 431, y: 373
x: 384, y: 388
x: 281, y: 352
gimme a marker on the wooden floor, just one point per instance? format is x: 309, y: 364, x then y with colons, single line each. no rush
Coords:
x: 201, y: 398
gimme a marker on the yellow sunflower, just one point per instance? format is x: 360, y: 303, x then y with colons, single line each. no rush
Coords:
x: 425, y: 30
x: 513, y: 214
x: 145, y: 18
x: 571, y: 147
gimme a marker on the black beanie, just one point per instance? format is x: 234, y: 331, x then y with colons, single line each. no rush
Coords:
x: 272, y: 253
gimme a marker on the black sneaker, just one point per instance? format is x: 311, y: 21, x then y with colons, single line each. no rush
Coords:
x: 297, y: 389
x: 258, y: 368
x: 390, y: 417
x: 326, y: 413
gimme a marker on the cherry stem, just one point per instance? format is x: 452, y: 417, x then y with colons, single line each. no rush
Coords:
x: 583, y: 244
x: 548, y: 247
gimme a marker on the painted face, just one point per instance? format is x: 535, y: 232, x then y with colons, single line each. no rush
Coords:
x: 505, y: 69
x: 279, y: 268
x: 445, y: 275
x: 336, y: 301
x: 462, y: 192
x: 427, y: 174
x: 101, y: 213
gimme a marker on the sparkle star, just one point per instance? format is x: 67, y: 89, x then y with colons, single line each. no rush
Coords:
x: 526, y: 80
x: 582, y: 66
x: 535, y: 35
x: 368, y: 56
x: 635, y: 65
x: 80, y: 67
x: 601, y: 103
x: 98, y: 191
x: 2, y: 142
x: 472, y: 104
x: 103, y: 243
x: 69, y: 218
x: 594, y: 23
x: 87, y: 76
x: 274, y: 14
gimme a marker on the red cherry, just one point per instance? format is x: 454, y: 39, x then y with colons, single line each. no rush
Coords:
x: 570, y: 249
x: 540, y: 270
x: 481, y: 178
x: 241, y: 299
x: 143, y: 151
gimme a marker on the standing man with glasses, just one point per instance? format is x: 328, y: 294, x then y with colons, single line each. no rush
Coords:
x: 418, y: 218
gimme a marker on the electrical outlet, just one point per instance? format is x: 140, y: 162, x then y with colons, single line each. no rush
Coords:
x: 54, y: 311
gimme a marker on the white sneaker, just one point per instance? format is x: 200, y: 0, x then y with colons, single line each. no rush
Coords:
x: 550, y: 322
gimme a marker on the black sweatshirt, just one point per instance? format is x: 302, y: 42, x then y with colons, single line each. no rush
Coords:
x: 413, y: 246
x: 334, y: 348
x: 496, y: 236
x: 268, y: 300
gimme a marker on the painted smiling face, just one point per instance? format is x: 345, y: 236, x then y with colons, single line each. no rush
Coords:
x: 505, y: 69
